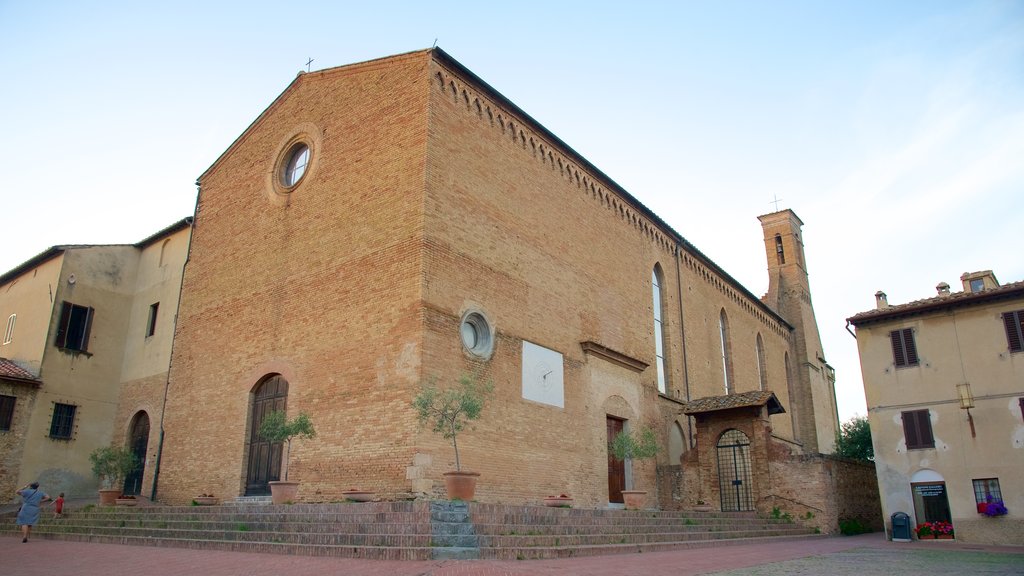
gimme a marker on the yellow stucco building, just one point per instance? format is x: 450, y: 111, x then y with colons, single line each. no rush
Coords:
x: 944, y: 382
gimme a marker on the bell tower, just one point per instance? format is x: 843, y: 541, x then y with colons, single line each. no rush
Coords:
x: 811, y: 381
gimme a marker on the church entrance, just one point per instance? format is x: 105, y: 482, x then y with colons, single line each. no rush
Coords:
x: 264, y: 464
x: 138, y: 443
x: 734, y: 471
x: 616, y: 468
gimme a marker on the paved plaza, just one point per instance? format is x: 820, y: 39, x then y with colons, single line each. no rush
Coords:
x: 867, y: 555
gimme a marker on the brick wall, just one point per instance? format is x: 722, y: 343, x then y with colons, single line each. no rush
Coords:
x: 429, y: 195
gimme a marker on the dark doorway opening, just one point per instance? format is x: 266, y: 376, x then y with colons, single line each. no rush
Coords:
x: 264, y: 464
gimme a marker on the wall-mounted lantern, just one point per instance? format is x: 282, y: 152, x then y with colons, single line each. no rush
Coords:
x: 966, y: 402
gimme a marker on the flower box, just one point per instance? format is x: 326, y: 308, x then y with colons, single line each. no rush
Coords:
x: 205, y: 500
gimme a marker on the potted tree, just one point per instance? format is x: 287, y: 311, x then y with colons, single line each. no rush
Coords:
x: 110, y: 466
x: 277, y: 428
x: 449, y: 411
x: 634, y: 445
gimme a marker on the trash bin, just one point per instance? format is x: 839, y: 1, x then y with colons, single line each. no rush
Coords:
x: 900, y: 527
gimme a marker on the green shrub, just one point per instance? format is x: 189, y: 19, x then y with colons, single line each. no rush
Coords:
x: 852, y: 527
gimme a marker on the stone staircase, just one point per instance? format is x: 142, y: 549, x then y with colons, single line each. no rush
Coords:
x: 410, y: 530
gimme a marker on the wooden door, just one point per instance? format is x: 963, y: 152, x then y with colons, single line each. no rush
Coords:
x: 616, y: 468
x: 138, y: 443
x: 265, y: 458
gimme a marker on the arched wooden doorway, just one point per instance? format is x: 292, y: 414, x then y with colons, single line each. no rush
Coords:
x: 734, y: 471
x: 138, y: 443
x: 264, y: 465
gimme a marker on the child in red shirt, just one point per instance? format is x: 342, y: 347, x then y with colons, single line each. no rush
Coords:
x: 58, y: 506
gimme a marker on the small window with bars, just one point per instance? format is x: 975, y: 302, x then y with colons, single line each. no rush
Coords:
x: 904, y: 350
x: 6, y: 412
x: 917, y: 429
x: 62, y: 426
x: 987, y: 490
x: 1014, y: 324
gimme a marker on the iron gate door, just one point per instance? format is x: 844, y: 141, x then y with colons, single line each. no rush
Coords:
x: 734, y: 471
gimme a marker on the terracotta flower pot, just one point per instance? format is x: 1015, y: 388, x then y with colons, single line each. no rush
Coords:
x: 205, y: 500
x: 282, y: 492
x: 108, y: 497
x: 461, y: 485
x: 634, y: 499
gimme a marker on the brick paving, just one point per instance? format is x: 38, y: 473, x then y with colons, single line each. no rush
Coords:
x: 865, y: 555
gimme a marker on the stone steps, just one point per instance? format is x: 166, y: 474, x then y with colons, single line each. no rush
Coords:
x: 411, y: 530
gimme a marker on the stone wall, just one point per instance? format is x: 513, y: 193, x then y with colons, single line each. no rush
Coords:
x: 12, y: 442
x: 820, y: 490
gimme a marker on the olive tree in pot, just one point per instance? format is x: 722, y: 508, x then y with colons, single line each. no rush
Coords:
x: 449, y: 411
x: 110, y: 466
x: 277, y: 428
x: 635, y: 445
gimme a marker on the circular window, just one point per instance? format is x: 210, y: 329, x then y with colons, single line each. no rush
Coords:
x: 476, y: 334
x: 295, y: 168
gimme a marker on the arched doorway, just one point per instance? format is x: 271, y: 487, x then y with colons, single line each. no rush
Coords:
x: 138, y: 443
x: 270, y: 395
x: 734, y: 471
x: 931, y: 504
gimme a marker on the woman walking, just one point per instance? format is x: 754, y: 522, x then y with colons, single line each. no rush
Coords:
x: 31, y: 498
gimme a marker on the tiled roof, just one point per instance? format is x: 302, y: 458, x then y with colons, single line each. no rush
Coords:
x: 953, y: 300
x: 10, y: 370
x: 731, y: 401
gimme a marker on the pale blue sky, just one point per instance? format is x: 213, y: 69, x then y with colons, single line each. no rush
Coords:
x: 895, y: 130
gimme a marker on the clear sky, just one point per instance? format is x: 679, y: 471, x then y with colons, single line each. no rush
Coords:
x: 895, y: 130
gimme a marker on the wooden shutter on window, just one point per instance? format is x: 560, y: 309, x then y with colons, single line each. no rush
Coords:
x: 917, y: 429
x: 62, y: 326
x: 88, y: 328
x: 910, y: 346
x: 1014, y: 323
x: 898, y: 357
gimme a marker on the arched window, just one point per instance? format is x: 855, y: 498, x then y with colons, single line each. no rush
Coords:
x: 676, y: 444
x: 723, y: 332
x: 163, y: 252
x: 659, y: 331
x: 779, y: 252
x: 762, y: 368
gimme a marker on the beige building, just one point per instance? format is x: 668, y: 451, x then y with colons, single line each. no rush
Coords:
x: 391, y: 221
x: 84, y: 356
x: 944, y: 382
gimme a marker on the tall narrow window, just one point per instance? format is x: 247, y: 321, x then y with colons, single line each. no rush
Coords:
x: 794, y: 401
x: 9, y: 333
x: 6, y: 412
x: 723, y: 333
x: 151, y: 324
x: 163, y: 252
x: 62, y: 426
x: 659, y: 331
x: 779, y: 252
x: 904, y: 350
x: 917, y: 429
x: 1014, y: 323
x: 74, y: 327
x: 762, y: 368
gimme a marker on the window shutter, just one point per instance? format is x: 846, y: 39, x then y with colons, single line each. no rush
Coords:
x: 924, y: 427
x: 88, y: 328
x: 897, y: 348
x: 1014, y: 323
x: 910, y: 429
x: 62, y: 326
x: 910, y: 346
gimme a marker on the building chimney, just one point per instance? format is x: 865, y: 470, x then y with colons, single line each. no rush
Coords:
x: 942, y: 288
x: 880, y: 300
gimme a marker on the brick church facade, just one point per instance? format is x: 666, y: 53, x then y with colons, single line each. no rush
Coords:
x: 397, y: 220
